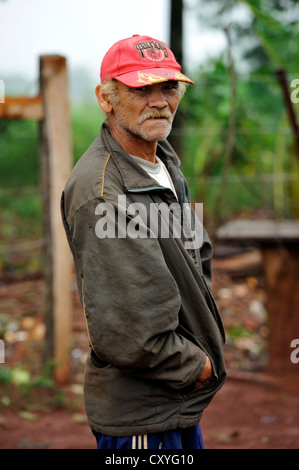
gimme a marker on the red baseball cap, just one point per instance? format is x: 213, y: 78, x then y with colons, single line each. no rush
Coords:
x: 141, y: 60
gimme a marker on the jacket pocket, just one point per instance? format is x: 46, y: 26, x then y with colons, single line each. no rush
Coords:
x: 96, y: 361
x: 204, y: 388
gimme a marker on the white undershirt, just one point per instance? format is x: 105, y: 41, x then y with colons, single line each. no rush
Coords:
x: 158, y: 171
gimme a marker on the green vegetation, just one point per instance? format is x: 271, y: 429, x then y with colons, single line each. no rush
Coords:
x: 86, y: 123
x: 20, y: 192
x: 258, y: 174
x: 18, y: 386
x: 18, y: 154
x: 239, y: 145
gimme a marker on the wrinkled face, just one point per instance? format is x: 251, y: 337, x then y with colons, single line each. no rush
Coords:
x: 146, y: 112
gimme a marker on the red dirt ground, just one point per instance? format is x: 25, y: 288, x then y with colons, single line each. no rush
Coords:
x: 243, y: 415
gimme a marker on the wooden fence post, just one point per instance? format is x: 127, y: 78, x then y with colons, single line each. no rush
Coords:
x: 56, y: 164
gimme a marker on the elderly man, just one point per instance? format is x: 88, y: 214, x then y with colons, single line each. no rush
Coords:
x: 143, y: 263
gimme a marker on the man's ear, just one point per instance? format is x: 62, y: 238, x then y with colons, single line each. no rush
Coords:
x: 102, y: 100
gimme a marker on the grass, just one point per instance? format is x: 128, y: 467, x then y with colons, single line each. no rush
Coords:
x: 86, y: 123
x: 19, y: 163
x: 20, y: 220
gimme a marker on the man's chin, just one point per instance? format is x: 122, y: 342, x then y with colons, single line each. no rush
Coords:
x: 155, y: 137
x: 156, y: 131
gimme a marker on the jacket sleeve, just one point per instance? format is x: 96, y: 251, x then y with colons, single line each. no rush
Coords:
x: 131, y: 301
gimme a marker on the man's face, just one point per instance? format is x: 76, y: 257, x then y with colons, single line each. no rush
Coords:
x: 146, y: 112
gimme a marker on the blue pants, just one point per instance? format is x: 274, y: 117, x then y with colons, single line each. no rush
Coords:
x: 189, y: 438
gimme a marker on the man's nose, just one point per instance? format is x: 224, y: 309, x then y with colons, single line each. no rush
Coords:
x: 157, y: 99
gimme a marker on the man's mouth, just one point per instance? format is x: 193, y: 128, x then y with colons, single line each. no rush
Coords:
x: 156, y: 116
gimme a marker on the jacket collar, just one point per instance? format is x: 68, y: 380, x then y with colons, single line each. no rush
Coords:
x: 134, y: 177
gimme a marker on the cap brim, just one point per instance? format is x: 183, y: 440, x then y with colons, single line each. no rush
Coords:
x: 145, y: 77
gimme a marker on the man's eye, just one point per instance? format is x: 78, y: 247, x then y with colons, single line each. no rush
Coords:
x: 141, y: 88
x: 171, y: 86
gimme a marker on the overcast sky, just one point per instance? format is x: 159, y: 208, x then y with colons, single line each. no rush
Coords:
x: 83, y: 30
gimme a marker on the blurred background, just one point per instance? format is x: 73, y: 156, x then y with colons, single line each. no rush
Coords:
x: 237, y: 136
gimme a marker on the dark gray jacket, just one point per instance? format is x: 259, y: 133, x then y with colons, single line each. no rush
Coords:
x: 150, y: 315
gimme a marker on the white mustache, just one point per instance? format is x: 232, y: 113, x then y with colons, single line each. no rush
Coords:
x: 155, y: 115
